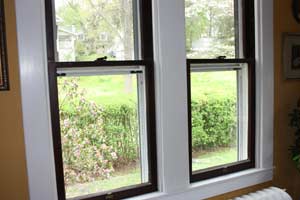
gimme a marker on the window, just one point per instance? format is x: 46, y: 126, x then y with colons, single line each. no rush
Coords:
x: 171, y: 98
x: 101, y: 80
x: 221, y: 86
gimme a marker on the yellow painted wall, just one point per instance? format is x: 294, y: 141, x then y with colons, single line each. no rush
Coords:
x: 13, y: 178
x: 286, y: 94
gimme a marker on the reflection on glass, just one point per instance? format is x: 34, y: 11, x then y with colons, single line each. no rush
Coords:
x: 90, y: 29
x: 100, y: 133
x: 210, y: 28
x: 215, y: 119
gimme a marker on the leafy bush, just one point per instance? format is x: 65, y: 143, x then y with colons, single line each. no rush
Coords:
x: 213, y: 122
x: 86, y: 153
x: 120, y: 125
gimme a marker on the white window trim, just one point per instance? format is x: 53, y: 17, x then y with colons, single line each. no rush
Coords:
x: 172, y: 137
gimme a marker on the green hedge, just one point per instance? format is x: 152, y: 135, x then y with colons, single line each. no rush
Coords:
x: 121, y: 128
x: 213, y: 123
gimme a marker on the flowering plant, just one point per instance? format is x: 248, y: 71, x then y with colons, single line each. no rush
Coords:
x: 86, y: 154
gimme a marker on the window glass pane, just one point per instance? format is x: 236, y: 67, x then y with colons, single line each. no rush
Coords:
x: 90, y: 29
x: 212, y: 28
x: 219, y: 118
x: 103, y: 132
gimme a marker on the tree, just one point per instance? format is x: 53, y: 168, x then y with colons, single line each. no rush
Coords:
x: 104, y: 27
x: 213, y: 19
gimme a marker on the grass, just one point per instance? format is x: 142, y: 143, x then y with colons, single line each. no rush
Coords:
x: 108, y: 89
x: 219, y: 83
x: 207, y: 159
x: 118, y: 180
x: 131, y: 177
x: 122, y: 89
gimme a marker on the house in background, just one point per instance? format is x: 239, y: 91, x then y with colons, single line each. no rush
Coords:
x: 66, y: 37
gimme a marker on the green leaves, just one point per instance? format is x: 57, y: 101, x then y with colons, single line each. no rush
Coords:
x: 98, y: 27
x: 213, y: 122
x: 296, y: 158
x: 295, y: 123
x: 210, y: 29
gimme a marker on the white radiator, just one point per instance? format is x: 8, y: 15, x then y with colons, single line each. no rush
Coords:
x: 271, y: 193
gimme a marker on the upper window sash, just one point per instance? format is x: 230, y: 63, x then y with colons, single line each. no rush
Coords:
x: 140, y: 28
x: 219, y: 29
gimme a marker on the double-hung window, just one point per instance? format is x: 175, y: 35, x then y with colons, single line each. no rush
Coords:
x: 100, y: 66
x: 221, y: 86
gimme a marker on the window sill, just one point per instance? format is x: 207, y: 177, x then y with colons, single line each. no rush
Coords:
x: 215, y: 186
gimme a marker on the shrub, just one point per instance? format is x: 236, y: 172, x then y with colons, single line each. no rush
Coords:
x: 213, y: 122
x: 86, y: 153
x: 120, y: 125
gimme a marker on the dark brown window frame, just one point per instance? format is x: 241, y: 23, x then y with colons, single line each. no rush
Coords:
x: 248, y: 22
x: 147, y: 62
x: 4, y: 80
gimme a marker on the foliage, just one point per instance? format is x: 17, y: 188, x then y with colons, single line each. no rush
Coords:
x: 86, y: 153
x: 211, y: 21
x: 213, y: 122
x: 113, y: 19
x: 295, y: 123
x: 102, y: 27
x: 121, y: 128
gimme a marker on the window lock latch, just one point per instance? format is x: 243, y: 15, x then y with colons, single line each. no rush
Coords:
x: 101, y: 59
x: 221, y: 57
x: 61, y: 74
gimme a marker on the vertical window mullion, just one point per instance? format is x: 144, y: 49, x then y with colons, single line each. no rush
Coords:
x: 170, y: 77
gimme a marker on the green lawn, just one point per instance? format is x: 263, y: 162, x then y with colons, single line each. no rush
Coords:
x: 132, y: 177
x: 122, y: 89
x: 220, y: 83
x: 108, y: 89
x: 215, y: 158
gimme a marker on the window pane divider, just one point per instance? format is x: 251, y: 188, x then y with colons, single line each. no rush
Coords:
x: 223, y: 167
x: 214, y: 61
x: 216, y: 67
x: 92, y: 71
x: 101, y: 64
